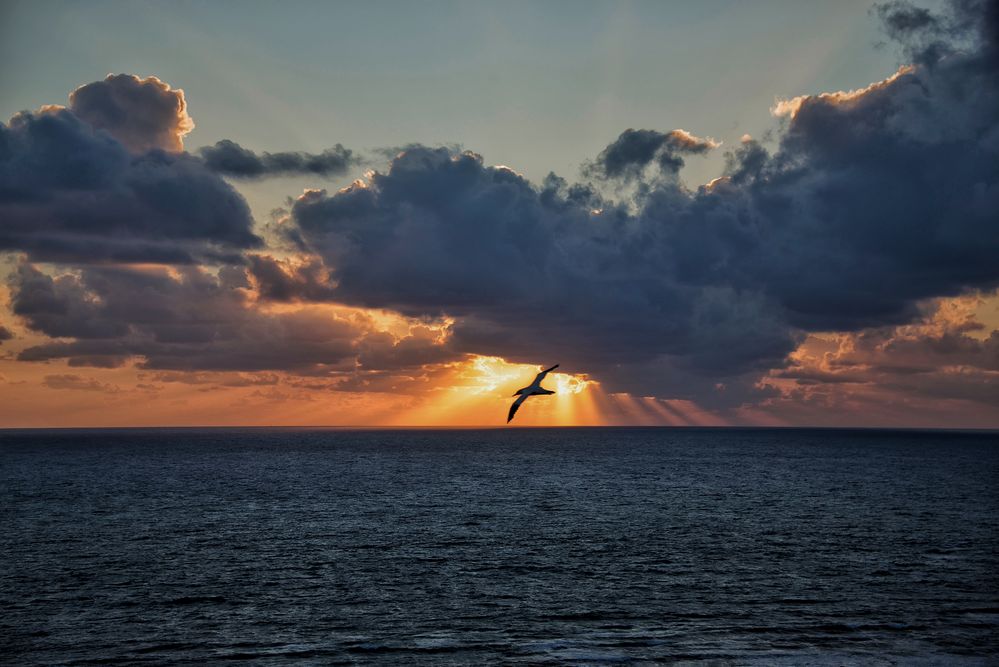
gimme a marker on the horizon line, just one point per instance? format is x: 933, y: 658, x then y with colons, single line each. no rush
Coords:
x: 489, y: 427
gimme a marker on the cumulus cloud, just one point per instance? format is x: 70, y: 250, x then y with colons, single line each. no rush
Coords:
x: 529, y: 272
x: 142, y: 114
x: 229, y: 158
x: 5, y: 334
x: 877, y: 199
x: 71, y: 193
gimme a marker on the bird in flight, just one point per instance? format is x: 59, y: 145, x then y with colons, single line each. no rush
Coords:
x: 533, y: 389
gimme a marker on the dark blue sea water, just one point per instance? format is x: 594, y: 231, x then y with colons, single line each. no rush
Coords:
x: 564, y: 546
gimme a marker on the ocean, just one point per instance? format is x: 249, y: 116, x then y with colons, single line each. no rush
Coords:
x: 511, y: 546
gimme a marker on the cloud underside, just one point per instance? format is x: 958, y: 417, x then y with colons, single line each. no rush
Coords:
x: 871, y: 205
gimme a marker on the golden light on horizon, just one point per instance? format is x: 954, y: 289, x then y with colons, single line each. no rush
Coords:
x: 478, y: 392
x: 475, y: 392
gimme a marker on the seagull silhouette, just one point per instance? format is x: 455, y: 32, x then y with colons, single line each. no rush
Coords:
x: 533, y: 389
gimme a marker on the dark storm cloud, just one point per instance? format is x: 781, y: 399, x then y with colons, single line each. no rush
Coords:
x: 5, y: 334
x: 71, y: 193
x: 142, y: 114
x: 439, y: 232
x: 529, y: 272
x: 872, y: 201
x: 230, y: 159
x: 876, y: 200
x: 633, y: 151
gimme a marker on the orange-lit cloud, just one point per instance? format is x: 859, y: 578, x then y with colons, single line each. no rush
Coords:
x: 942, y: 368
x: 140, y: 113
x: 790, y: 106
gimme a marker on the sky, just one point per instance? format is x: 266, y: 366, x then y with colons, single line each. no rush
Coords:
x: 393, y: 214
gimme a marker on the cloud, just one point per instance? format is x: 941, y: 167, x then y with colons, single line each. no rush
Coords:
x: 423, y: 346
x: 79, y: 383
x: 928, y: 36
x: 215, y: 379
x: 290, y: 280
x: 142, y: 114
x: 948, y: 335
x: 874, y: 199
x: 632, y: 152
x: 184, y: 319
x: 842, y: 98
x: 528, y: 272
x: 73, y: 194
x: 189, y: 319
x: 946, y: 354
x: 230, y: 159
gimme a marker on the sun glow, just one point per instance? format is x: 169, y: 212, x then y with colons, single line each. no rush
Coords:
x: 492, y: 373
x: 479, y: 391
x: 570, y: 384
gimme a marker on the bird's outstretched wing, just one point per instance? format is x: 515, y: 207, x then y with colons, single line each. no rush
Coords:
x: 541, y: 376
x: 515, y: 407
